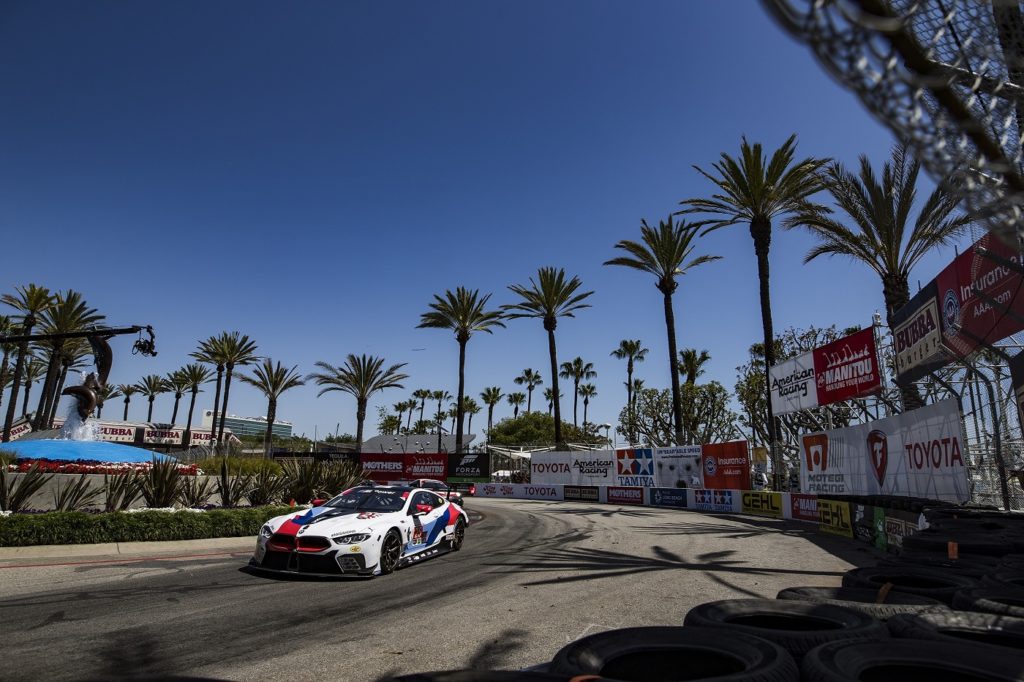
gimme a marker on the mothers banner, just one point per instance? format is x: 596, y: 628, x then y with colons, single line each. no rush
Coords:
x: 918, y: 454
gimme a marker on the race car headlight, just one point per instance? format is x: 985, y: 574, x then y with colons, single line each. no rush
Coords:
x: 265, y: 531
x: 351, y: 538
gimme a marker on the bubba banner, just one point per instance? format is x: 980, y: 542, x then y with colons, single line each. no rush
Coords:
x: 678, y: 467
x: 846, y: 368
x: 726, y: 465
x: 918, y: 454
x: 573, y: 468
x: 918, y: 339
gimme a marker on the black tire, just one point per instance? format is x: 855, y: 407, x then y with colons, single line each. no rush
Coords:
x: 865, y: 601
x: 459, y: 535
x: 1001, y: 602
x: 963, y: 567
x: 796, y: 626
x: 390, y: 552
x: 953, y: 626
x: 660, y: 653
x: 937, y: 542
x: 928, y: 582
x: 907, y: 659
x: 1005, y: 579
x: 481, y: 676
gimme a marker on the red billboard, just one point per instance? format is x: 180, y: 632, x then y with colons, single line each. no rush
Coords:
x: 847, y: 368
x: 726, y: 466
x: 420, y: 465
x: 383, y: 467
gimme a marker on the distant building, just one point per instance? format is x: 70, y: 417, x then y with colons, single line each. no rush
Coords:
x: 249, y: 426
x: 416, y: 442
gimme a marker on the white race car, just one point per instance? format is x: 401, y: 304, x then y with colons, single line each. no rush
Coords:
x: 366, y: 530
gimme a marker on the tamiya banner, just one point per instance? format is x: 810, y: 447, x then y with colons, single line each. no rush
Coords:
x: 981, y: 296
x: 847, y: 368
x: 920, y: 453
x: 793, y: 386
x: 726, y: 465
x: 471, y: 467
x: 634, y: 468
x: 678, y: 467
x: 716, y: 500
x: 574, y: 468
x: 917, y: 336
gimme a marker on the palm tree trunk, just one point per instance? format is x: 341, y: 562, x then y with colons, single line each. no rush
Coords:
x: 490, y: 419
x: 586, y: 403
x: 469, y: 427
x: 408, y: 420
x: 271, y: 416
x: 127, y: 399
x: 216, y: 405
x: 46, y: 395
x: 149, y: 415
x: 515, y: 411
x: 3, y: 372
x: 550, y: 324
x: 99, y: 411
x: 459, y: 408
x: 19, y: 370
x: 174, y: 414
x: 629, y: 399
x: 529, y: 397
x: 360, y: 416
x: 187, y: 438
x: 24, y: 402
x: 423, y: 404
x: 224, y: 406
x: 677, y: 406
x: 64, y: 365
x: 896, y: 292
x: 761, y: 232
x: 575, y: 401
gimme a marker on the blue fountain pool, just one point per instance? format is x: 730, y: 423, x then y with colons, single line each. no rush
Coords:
x: 75, y: 450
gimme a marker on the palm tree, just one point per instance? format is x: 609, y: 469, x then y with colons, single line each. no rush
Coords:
x: 691, y: 363
x: 151, y: 386
x: 531, y: 378
x: 73, y: 356
x: 470, y: 407
x: 399, y: 407
x: 177, y: 383
x: 106, y: 392
x: 464, y: 312
x: 516, y: 400
x: 195, y: 376
x: 410, y: 405
x: 33, y: 370
x: 665, y: 252
x: 6, y: 327
x: 440, y: 396
x: 588, y: 391
x: 239, y: 350
x: 491, y: 396
x: 420, y: 395
x: 549, y: 396
x: 31, y: 301
x: 361, y: 376
x: 211, y: 351
x: 879, y: 214
x: 631, y: 351
x: 549, y: 297
x: 753, y: 191
x: 127, y: 390
x: 577, y: 370
x: 272, y: 379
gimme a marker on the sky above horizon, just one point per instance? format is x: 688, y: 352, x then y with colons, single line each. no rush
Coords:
x: 311, y: 174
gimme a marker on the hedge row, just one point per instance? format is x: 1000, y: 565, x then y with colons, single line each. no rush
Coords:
x: 72, y: 528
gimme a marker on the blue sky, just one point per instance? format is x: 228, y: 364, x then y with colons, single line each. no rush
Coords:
x: 311, y: 174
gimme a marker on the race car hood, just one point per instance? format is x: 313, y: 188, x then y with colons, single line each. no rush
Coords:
x: 329, y: 520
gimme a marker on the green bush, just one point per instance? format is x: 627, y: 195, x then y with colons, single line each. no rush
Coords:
x: 70, y: 528
x: 237, y: 466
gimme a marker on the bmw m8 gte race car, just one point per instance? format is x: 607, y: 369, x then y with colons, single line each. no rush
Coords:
x: 366, y: 530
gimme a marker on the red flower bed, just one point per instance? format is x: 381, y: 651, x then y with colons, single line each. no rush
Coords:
x: 90, y: 467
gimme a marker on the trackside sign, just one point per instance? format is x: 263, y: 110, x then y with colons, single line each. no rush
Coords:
x: 522, y: 491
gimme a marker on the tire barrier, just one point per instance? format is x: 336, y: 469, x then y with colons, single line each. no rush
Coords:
x: 796, y: 626
x: 482, y: 676
x: 875, y: 603
x: 959, y: 567
x: 667, y: 653
x: 1005, y: 578
x: 937, y: 542
x: 950, y: 626
x: 906, y: 659
x: 1002, y: 602
x: 927, y: 582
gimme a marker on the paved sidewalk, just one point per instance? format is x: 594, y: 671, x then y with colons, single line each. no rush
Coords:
x: 107, y: 549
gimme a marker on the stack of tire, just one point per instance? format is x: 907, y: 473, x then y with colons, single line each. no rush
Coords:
x: 918, y: 615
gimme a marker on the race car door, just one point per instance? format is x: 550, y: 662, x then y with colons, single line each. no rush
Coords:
x: 427, y: 529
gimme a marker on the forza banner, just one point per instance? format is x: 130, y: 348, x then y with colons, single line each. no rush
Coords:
x: 793, y: 386
x: 918, y: 339
x: 678, y: 467
x: 762, y: 503
x: 472, y: 467
x: 521, y: 491
x: 847, y: 368
x: 726, y: 465
x: 917, y: 454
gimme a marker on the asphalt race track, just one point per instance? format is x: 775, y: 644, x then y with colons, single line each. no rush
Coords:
x: 531, y: 577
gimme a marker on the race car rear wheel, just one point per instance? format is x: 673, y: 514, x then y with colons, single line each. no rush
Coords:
x: 460, y: 535
x: 390, y: 552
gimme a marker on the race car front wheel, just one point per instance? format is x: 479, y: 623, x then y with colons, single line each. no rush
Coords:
x: 390, y: 552
x: 459, y: 535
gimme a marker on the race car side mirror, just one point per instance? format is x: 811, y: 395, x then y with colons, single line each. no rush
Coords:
x: 317, y: 502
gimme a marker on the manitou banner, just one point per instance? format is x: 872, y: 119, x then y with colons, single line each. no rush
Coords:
x: 921, y: 453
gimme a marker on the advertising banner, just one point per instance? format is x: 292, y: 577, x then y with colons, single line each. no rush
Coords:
x: 551, y: 467
x: 521, y: 491
x: 793, y: 385
x: 424, y: 465
x: 634, y: 467
x: 863, y: 518
x: 470, y: 467
x: 200, y: 437
x: 383, y: 467
x: 574, y: 468
x: 162, y: 436
x: 667, y: 497
x: 715, y: 500
x: 834, y: 517
x: 847, y: 368
x: 1017, y: 380
x: 126, y: 434
x: 726, y: 465
x: 804, y: 507
x: 917, y: 454
x: 20, y: 430
x: 898, y: 525
x: 581, y: 493
x: 973, y: 291
x: 762, y: 503
x: 918, y: 338
x: 678, y: 467
x: 625, y: 495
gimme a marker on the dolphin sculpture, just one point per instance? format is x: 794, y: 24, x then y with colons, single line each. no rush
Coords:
x: 90, y: 393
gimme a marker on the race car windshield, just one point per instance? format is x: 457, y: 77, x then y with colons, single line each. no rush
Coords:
x: 368, y: 499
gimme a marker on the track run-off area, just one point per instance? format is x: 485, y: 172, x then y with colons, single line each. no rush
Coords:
x: 531, y: 577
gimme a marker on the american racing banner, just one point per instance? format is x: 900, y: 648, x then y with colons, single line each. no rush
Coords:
x: 726, y: 465
x: 921, y: 453
x: 793, y: 386
x: 574, y: 468
x: 847, y: 368
x: 918, y: 339
x: 678, y: 467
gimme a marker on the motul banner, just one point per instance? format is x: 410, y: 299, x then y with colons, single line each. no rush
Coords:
x: 421, y: 465
x: 793, y: 386
x: 573, y: 468
x: 847, y: 368
x: 383, y: 467
x: 917, y: 336
x: 726, y: 466
x: 678, y: 467
x: 973, y: 292
x: 917, y: 454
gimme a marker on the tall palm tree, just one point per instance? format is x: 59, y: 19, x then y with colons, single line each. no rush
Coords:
x: 588, y: 391
x: 470, y: 407
x: 195, y: 376
x: 491, y: 396
x: 879, y: 213
x: 516, y: 400
x: 127, y: 390
x: 361, y: 376
x: 531, y: 378
x: 107, y: 392
x: 211, y: 351
x: 33, y: 371
x: 549, y: 297
x: 151, y: 386
x: 410, y: 405
x: 666, y: 253
x: 549, y: 396
x: 464, y: 312
x: 440, y: 396
x: 6, y: 327
x: 399, y: 408
x: 691, y: 363
x: 578, y: 371
x: 755, y: 191
x: 272, y: 379
x: 632, y: 351
x: 177, y: 383
x: 420, y: 395
x: 76, y: 354
x: 31, y: 301
x: 239, y: 350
